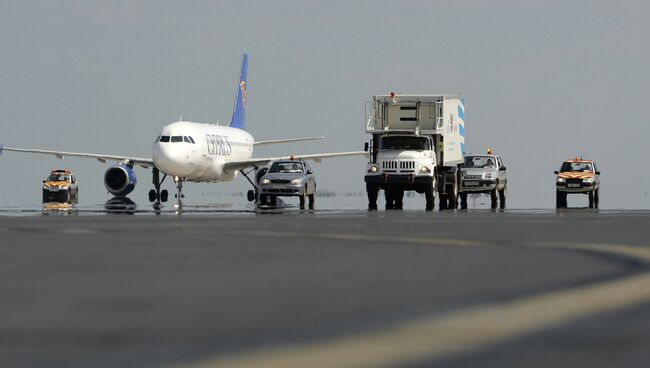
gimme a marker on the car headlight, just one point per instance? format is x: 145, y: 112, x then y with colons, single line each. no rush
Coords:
x: 373, y: 169
x: 588, y: 180
x: 488, y: 176
x: 425, y: 170
x: 296, y: 181
x: 561, y: 180
x: 266, y: 181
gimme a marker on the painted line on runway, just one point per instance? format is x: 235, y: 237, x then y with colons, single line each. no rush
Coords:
x: 436, y: 337
x: 442, y: 336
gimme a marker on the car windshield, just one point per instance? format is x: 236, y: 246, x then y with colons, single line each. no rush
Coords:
x: 405, y: 143
x: 286, y: 167
x: 56, y: 177
x: 479, y: 162
x: 576, y: 167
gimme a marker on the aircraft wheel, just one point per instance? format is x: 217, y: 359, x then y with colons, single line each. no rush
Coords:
x: 164, y: 194
x: 152, y: 195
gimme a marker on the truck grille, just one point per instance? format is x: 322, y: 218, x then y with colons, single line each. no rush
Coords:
x: 280, y: 181
x: 396, y: 165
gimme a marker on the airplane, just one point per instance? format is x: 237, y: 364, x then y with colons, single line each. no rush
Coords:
x: 194, y: 152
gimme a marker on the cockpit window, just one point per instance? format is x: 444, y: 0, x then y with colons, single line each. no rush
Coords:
x: 177, y: 138
x: 164, y: 138
x: 191, y: 140
x: 186, y: 139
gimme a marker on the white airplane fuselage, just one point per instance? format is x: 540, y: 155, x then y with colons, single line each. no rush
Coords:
x: 201, y: 151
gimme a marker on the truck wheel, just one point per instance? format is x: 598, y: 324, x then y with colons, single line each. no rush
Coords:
x: 493, y: 199
x: 429, y: 194
x: 399, y: 199
x: 262, y: 199
x: 373, y: 191
x: 502, y: 197
x: 596, y: 198
x: 453, y: 197
x: 591, y: 199
x: 274, y: 201
x: 560, y: 199
x: 442, y: 201
x: 390, y: 199
x: 463, y: 201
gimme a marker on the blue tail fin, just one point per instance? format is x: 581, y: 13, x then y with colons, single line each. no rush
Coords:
x: 239, y: 112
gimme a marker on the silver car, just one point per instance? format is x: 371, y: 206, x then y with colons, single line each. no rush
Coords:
x: 484, y: 174
x: 291, y: 178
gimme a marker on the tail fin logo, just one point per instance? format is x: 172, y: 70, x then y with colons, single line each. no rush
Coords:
x: 242, y: 88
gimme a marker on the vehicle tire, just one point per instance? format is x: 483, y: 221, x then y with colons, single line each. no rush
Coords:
x: 493, y: 199
x: 429, y: 195
x: 302, y: 200
x: 399, y: 199
x: 596, y: 198
x: 591, y: 199
x: 373, y: 191
x: 312, y: 200
x: 560, y: 199
x: 274, y: 201
x: 453, y: 197
x: 152, y: 195
x: 442, y: 202
x: 463, y: 201
x: 164, y: 194
x: 262, y: 199
x: 390, y: 199
x: 502, y: 197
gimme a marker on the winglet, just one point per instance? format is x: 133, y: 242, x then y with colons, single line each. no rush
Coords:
x: 239, y: 111
x: 2, y: 147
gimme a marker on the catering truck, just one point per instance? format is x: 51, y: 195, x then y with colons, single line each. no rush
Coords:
x: 417, y: 144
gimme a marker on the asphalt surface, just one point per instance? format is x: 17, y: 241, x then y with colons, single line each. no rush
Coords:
x: 267, y: 289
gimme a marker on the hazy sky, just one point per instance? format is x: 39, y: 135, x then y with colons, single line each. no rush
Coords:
x: 543, y: 81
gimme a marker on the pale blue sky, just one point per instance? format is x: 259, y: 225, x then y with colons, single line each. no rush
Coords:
x: 543, y: 82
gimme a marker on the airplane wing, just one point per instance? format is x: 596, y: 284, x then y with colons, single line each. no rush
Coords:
x: 144, y: 162
x: 238, y: 165
x: 275, y: 141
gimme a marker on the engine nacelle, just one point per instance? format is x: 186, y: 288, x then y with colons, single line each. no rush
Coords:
x: 120, y: 180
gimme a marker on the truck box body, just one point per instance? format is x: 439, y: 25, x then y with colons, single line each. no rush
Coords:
x: 440, y: 116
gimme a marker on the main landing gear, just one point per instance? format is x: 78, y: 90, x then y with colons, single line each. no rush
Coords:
x: 253, y: 195
x: 156, y: 195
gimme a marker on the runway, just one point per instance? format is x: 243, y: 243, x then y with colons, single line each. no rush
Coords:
x: 326, y: 288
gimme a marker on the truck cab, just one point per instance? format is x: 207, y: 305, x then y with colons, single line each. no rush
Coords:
x: 484, y: 174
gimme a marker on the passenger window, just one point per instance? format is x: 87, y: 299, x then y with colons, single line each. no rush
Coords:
x: 164, y: 138
x: 177, y: 138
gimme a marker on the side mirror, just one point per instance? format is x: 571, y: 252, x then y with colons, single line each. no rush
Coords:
x: 597, y: 172
x: 309, y: 172
x: 366, y: 147
x: 502, y: 168
x: 43, y: 181
x: 556, y: 172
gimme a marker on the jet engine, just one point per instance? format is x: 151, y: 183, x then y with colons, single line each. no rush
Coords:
x: 120, y: 180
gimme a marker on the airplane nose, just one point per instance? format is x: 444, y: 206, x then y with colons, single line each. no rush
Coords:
x: 167, y: 158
